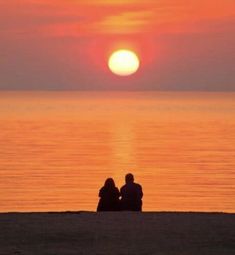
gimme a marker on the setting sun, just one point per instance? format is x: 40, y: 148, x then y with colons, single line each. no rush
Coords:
x: 123, y: 62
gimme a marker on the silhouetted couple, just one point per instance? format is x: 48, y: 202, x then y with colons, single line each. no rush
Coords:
x: 128, y: 199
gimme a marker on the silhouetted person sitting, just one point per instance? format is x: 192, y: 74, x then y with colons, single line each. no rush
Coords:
x: 131, y: 195
x: 109, y: 197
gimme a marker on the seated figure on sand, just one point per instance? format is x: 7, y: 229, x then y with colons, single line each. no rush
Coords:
x: 131, y: 195
x: 109, y: 197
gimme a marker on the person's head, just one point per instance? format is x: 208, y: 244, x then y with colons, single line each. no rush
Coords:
x: 129, y: 178
x: 109, y: 183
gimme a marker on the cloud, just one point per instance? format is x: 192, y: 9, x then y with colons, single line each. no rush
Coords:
x: 88, y: 18
x: 124, y: 22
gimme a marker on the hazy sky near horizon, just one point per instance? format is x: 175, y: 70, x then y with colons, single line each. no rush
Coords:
x: 65, y: 44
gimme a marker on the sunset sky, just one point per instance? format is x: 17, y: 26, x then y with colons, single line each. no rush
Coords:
x: 65, y: 44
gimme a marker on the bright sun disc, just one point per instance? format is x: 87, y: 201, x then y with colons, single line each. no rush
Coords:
x: 123, y: 62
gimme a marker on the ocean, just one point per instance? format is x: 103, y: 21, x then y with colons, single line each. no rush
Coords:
x: 57, y: 149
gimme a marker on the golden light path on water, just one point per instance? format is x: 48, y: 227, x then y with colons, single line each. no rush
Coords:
x: 58, y: 148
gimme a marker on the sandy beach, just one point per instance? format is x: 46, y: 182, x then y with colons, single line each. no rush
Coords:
x: 117, y: 233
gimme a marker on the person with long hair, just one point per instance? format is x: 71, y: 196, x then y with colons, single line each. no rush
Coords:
x: 109, y: 197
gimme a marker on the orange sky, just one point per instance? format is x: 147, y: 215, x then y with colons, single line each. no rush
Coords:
x: 162, y: 32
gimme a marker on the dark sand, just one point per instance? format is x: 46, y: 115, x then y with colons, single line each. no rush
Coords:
x: 117, y: 233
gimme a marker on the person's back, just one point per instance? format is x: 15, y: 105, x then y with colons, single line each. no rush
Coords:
x: 109, y: 197
x: 131, y: 195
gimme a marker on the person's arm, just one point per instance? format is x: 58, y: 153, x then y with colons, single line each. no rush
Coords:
x: 121, y: 192
x: 101, y: 192
x: 118, y: 193
x: 141, y: 191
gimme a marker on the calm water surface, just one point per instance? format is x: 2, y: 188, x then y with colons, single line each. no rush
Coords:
x: 56, y: 149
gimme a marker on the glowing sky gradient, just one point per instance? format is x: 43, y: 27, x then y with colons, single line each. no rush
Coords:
x: 65, y: 44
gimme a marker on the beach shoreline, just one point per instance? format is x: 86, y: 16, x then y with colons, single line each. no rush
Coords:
x: 81, y: 232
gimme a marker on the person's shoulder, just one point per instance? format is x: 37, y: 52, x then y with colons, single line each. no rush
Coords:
x: 123, y: 187
x: 101, y: 192
x: 138, y: 185
x: 102, y: 189
x: 116, y: 189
